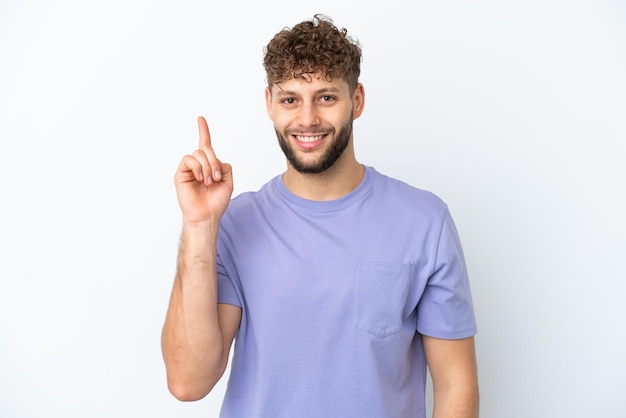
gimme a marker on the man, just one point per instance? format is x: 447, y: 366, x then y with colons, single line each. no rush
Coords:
x: 339, y: 284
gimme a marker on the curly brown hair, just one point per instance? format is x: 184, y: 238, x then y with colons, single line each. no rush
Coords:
x: 313, y: 46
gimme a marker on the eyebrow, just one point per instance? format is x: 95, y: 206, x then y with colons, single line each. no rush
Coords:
x: 282, y: 93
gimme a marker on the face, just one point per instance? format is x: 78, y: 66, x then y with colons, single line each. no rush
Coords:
x: 313, y: 120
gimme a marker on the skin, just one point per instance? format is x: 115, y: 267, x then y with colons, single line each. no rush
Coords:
x: 198, y: 333
x: 452, y: 365
x: 311, y: 115
x: 313, y: 106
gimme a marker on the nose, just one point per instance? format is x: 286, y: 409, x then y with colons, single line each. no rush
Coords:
x: 308, y: 115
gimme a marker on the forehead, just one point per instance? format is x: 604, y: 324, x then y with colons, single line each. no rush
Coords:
x: 310, y: 83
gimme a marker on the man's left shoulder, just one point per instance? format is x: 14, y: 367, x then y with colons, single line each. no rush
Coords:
x: 401, y: 192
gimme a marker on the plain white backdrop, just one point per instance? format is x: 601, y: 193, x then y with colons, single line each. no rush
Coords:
x: 514, y: 112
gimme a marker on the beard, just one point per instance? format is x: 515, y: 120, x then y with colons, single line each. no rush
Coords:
x: 328, y: 159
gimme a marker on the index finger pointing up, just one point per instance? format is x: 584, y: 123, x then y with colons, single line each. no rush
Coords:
x: 205, y: 136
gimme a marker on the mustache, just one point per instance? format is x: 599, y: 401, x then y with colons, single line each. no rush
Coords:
x: 315, y: 131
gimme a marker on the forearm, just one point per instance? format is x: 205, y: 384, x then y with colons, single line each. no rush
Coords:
x: 456, y: 402
x: 191, y: 339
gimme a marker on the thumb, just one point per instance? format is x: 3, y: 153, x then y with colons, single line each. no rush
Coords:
x: 227, y: 172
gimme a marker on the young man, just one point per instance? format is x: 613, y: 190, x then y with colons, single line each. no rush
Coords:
x: 338, y: 283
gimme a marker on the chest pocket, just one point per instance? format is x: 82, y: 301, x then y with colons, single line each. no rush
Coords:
x: 382, y: 292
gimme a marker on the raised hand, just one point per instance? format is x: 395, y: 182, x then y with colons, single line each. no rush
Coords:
x: 204, y: 185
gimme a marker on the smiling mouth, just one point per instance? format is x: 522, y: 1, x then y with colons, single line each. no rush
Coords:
x: 309, y: 138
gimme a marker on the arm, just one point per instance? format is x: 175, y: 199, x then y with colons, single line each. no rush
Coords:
x: 452, y: 365
x: 198, y: 333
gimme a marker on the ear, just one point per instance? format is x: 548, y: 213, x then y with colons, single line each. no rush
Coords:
x: 358, y: 101
x: 268, y: 103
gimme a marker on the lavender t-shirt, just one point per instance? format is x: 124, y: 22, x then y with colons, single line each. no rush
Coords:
x: 335, y: 296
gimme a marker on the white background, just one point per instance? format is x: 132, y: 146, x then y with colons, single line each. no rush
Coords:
x: 512, y: 111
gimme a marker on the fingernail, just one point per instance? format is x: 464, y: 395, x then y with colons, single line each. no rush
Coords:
x: 218, y: 175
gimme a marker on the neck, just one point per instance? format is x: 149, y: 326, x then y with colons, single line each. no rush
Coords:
x: 339, y: 180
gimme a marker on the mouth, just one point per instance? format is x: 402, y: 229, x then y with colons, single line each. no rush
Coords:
x: 310, y: 141
x: 309, y: 138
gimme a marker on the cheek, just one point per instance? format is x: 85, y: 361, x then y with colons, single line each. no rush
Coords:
x: 280, y: 120
x: 347, y: 116
x: 270, y: 113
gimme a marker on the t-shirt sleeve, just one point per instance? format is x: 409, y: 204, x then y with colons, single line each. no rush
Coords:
x: 226, y: 291
x: 446, y: 309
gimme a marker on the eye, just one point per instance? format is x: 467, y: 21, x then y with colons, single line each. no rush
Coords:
x: 288, y: 101
x: 327, y: 99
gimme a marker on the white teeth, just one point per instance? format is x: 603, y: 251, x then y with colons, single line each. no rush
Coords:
x: 309, y: 138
